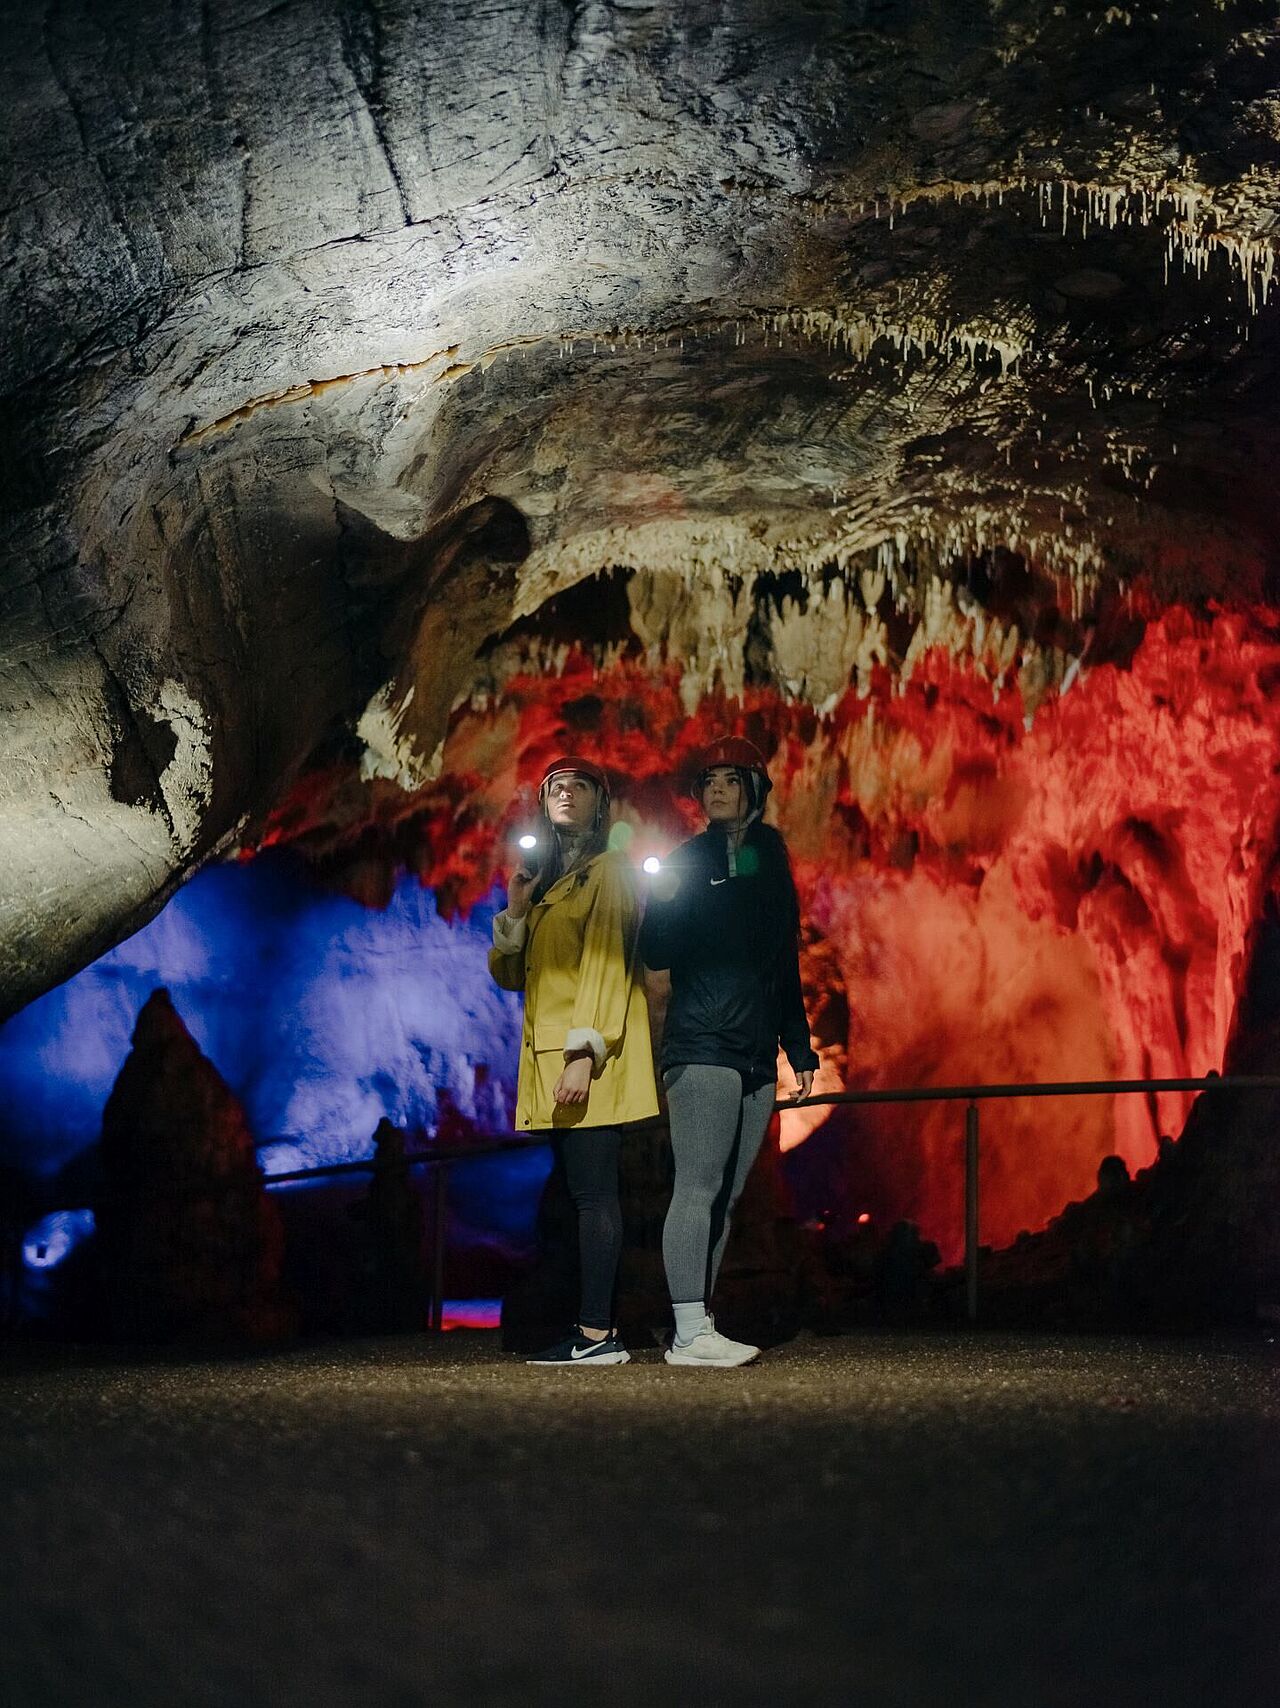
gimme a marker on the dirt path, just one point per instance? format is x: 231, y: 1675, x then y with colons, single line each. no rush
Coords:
x: 888, y: 1520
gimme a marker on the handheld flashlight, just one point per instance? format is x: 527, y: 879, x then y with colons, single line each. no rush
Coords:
x: 531, y: 852
x: 664, y: 880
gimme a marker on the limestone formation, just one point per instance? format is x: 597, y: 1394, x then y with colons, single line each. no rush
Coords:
x: 393, y: 392
x: 341, y: 332
x: 187, y: 1242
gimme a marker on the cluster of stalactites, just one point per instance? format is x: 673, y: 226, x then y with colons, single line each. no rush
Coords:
x: 1194, y: 218
x: 814, y: 647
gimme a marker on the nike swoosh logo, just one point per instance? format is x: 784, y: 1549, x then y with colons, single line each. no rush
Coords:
x: 586, y: 1351
x: 719, y: 880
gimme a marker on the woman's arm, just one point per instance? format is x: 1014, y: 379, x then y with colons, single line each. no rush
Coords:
x: 511, y: 933
x: 666, y: 926
x: 506, y: 958
x: 793, y: 1022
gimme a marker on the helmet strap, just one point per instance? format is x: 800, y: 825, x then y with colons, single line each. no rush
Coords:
x: 734, y: 840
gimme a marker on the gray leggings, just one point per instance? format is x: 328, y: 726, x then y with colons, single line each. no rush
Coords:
x: 716, y: 1131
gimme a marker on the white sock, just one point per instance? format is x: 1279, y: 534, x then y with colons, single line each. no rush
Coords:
x: 691, y: 1319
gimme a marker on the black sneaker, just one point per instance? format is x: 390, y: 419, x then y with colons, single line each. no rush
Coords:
x: 575, y: 1348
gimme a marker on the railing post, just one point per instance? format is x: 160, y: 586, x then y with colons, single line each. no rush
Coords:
x: 439, y: 1205
x: 971, y: 1212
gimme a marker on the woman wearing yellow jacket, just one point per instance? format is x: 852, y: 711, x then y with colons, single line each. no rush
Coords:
x: 567, y: 939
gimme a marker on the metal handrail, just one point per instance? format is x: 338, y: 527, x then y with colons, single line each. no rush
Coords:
x: 440, y: 1161
x: 1058, y: 1088
x: 973, y: 1095
x: 413, y: 1159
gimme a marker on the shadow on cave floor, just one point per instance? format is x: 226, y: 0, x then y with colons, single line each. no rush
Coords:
x: 895, y: 1518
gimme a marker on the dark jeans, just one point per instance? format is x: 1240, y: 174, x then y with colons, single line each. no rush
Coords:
x: 590, y: 1157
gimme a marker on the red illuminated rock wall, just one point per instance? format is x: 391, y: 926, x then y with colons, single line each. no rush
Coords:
x: 1006, y: 884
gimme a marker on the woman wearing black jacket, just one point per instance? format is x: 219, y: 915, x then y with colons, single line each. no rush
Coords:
x: 726, y: 923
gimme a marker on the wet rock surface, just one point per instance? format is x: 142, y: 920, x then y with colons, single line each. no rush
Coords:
x: 296, y: 294
x: 904, y: 1518
x: 907, y: 367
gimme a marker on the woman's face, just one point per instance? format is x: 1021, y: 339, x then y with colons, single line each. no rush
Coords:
x: 722, y: 795
x: 571, y: 801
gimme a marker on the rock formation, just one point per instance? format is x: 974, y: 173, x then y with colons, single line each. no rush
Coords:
x: 393, y: 391
x: 187, y: 1242
x: 392, y: 1283
x: 332, y: 325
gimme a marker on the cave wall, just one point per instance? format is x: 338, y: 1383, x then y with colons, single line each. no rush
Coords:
x: 707, y: 290
x: 392, y: 394
x: 995, y: 893
x: 990, y: 894
x: 324, y: 1016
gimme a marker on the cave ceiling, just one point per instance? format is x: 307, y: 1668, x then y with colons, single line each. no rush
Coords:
x: 343, y: 340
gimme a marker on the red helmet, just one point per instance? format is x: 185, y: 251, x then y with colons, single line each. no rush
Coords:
x: 580, y: 768
x: 737, y: 751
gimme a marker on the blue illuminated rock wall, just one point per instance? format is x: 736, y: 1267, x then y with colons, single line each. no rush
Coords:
x: 321, y: 1014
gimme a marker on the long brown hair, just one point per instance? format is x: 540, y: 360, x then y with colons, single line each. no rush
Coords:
x: 595, y: 841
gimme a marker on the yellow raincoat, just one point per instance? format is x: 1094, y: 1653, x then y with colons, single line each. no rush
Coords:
x: 580, y: 974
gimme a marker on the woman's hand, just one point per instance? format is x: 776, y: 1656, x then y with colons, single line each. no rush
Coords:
x: 665, y: 884
x: 575, y: 1082
x: 519, y: 889
x: 804, y: 1085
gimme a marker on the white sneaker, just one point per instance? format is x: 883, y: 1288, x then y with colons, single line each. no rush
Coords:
x: 711, y: 1349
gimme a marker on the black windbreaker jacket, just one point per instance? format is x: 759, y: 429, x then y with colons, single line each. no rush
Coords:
x: 731, y: 945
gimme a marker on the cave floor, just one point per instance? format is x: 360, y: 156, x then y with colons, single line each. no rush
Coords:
x: 897, y: 1519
